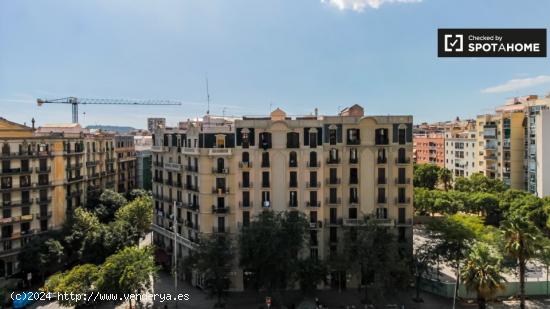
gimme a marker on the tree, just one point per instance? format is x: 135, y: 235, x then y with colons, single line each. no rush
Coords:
x: 486, y: 203
x: 139, y: 214
x: 423, y: 201
x: 310, y: 273
x: 137, y: 193
x: 424, y: 257
x: 109, y: 202
x: 522, y: 241
x: 84, y: 237
x: 445, y: 177
x: 127, y: 271
x: 80, y: 280
x: 43, y: 255
x: 453, y: 235
x: 214, y: 259
x: 269, y: 247
x: 374, y: 249
x: 426, y: 175
x: 482, y: 272
x: 479, y: 183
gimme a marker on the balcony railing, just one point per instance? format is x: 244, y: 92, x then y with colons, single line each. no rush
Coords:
x: 404, y: 222
x: 333, y: 222
x: 219, y: 151
x: 220, y: 210
x: 353, y: 222
x: 333, y: 160
x: 336, y: 201
x: 220, y: 190
x: 381, y: 160
x: 191, y: 168
x: 313, y: 164
x: 44, y: 215
x: 383, y: 221
x: 403, y: 160
x: 293, y: 204
x: 353, y: 161
x: 333, y: 181
x: 313, y: 204
x: 381, y: 200
x: 245, y: 205
x: 381, y: 181
x: 265, y: 184
x: 217, y: 170
x: 220, y: 230
x: 402, y: 181
x: 46, y: 169
x: 354, y: 201
x: 192, y: 187
x: 245, y: 185
x: 265, y: 164
x: 243, y: 164
x: 315, y: 184
x: 403, y: 200
x: 190, y: 150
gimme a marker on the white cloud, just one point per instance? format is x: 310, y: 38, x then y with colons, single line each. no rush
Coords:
x: 520, y: 83
x: 360, y: 5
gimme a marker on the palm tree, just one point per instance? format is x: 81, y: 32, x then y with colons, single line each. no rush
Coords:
x: 482, y: 272
x: 522, y: 241
x: 445, y: 177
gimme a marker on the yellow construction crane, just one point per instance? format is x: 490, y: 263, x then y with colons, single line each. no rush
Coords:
x: 77, y: 101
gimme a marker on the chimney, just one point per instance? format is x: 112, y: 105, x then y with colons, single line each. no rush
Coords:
x: 33, y: 123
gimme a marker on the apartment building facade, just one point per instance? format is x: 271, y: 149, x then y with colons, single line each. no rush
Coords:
x: 461, y: 149
x: 46, y: 173
x: 337, y: 170
x: 125, y: 152
x: 538, y: 149
x: 430, y: 148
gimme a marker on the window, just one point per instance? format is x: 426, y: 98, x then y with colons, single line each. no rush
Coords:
x: 381, y: 195
x: 333, y: 177
x: 313, y: 179
x: 353, y: 178
x: 401, y: 215
x: 292, y: 159
x: 265, y: 140
x: 246, y: 199
x: 353, y: 156
x: 381, y: 159
x: 333, y: 196
x: 293, y: 179
x: 401, y: 175
x: 293, y: 199
x: 381, y: 176
x: 332, y: 135
x: 313, y: 159
x: 221, y: 165
x: 246, y: 180
x: 312, y: 139
x: 381, y: 137
x: 353, y: 137
x: 381, y: 213
x: 245, y: 157
x: 352, y: 213
x: 265, y: 199
x: 353, y: 196
x: 221, y: 224
x: 402, y: 135
x: 333, y: 156
x: 313, y: 198
x: 265, y: 159
x: 265, y: 179
x: 402, y: 156
x: 246, y: 218
x: 292, y: 140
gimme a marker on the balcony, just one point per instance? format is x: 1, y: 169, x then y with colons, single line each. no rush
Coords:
x: 353, y: 142
x: 93, y: 176
x: 354, y: 181
x: 383, y: 160
x: 91, y: 163
x: 220, y: 230
x: 173, y: 167
x: 74, y: 179
x: 403, y: 200
x: 292, y: 164
x: 313, y: 164
x: 191, y: 206
x: 333, y: 222
x: 17, y: 203
x: 265, y: 164
x: 332, y: 161
x: 315, y: 225
x: 13, y: 171
x: 265, y: 184
x: 219, y: 151
x: 190, y: 151
x: 216, y: 170
x: 46, y: 169
x: 383, y: 221
x: 313, y: 204
x: 220, y: 210
x: 192, y: 168
x: 353, y: 161
x: 333, y: 181
x: 404, y: 222
x: 192, y: 187
x: 336, y: 201
x: 245, y: 185
x: 403, y: 161
x: 313, y: 185
x: 490, y: 157
x: 382, y: 181
x: 44, y: 201
x: 381, y: 200
x: 73, y: 167
x: 245, y: 165
x: 44, y: 215
x: 75, y: 193
x: 293, y: 204
x: 402, y: 181
x: 354, y: 201
x: 245, y: 205
x: 353, y: 222
x: 220, y: 190
x: 157, y: 148
x: 44, y: 184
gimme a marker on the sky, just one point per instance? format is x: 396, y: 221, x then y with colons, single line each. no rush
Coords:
x: 257, y: 56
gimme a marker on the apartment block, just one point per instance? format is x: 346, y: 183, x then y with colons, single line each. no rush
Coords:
x: 125, y: 152
x: 46, y: 173
x: 461, y: 148
x: 218, y: 174
x: 143, y: 144
x: 538, y: 149
x: 430, y: 148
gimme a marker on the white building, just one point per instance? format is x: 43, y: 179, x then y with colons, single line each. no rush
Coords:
x: 461, y: 149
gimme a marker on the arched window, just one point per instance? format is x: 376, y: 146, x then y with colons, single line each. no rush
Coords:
x: 293, y: 159
x: 313, y: 158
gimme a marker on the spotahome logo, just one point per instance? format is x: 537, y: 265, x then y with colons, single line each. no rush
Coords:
x: 491, y: 42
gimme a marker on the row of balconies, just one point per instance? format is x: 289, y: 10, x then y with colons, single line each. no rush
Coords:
x: 7, y: 187
x: 16, y: 219
x: 25, y: 154
x: 26, y: 202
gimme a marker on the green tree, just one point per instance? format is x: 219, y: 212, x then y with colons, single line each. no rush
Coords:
x: 452, y: 237
x: 214, y: 259
x: 79, y: 280
x: 310, y: 273
x: 139, y: 214
x: 482, y: 272
x: 109, y: 202
x: 43, y: 255
x: 479, y: 183
x: 522, y: 241
x: 426, y: 175
x: 128, y: 271
x: 445, y: 177
x: 423, y: 201
x: 269, y: 247
x: 137, y: 193
x: 424, y: 258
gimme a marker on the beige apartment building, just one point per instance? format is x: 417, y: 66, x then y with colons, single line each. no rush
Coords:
x: 461, y: 148
x: 218, y: 174
x: 45, y: 174
x: 125, y: 153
